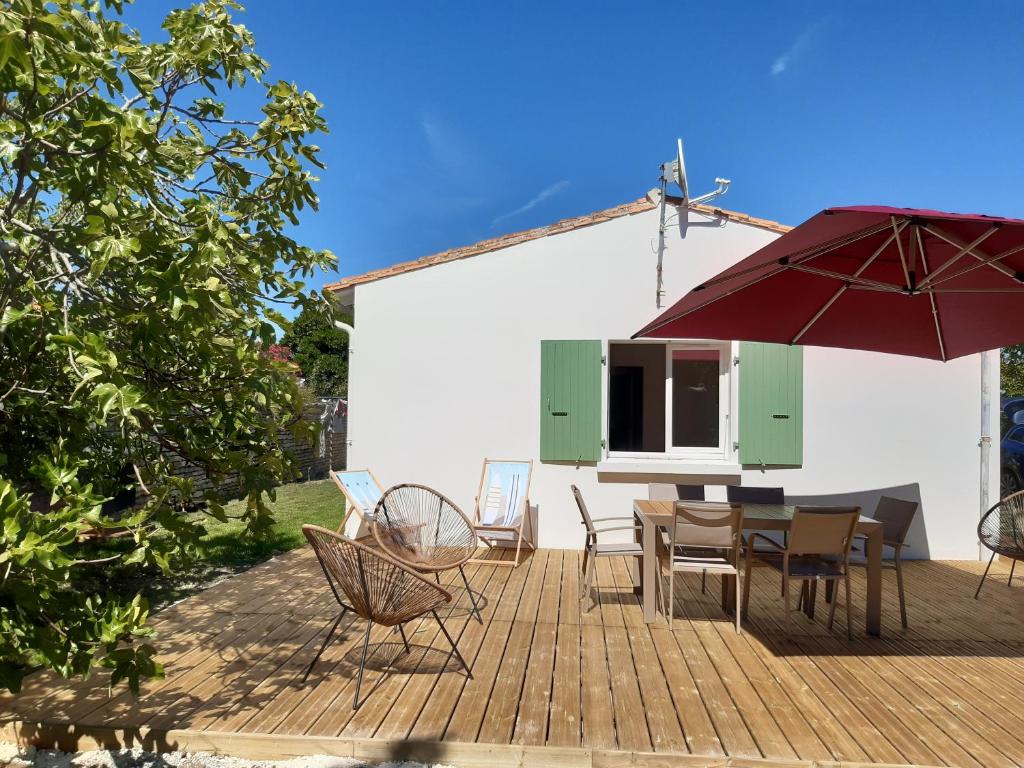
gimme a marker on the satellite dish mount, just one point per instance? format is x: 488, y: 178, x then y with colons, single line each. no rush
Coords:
x: 674, y: 172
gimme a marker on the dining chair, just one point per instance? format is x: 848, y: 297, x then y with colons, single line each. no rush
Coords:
x: 593, y: 549
x: 896, y: 517
x: 375, y: 587
x: 753, y: 494
x: 677, y: 492
x: 818, y: 549
x: 704, y: 537
x: 425, y: 530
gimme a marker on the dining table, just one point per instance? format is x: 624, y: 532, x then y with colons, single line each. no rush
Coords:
x: 654, y: 516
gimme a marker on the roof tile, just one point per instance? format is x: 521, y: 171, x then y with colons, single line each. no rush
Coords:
x: 559, y: 227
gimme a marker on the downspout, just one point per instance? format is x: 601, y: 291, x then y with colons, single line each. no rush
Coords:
x: 985, y: 443
x: 351, y: 338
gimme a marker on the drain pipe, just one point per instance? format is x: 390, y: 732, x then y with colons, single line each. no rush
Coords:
x: 347, y: 329
x: 985, y: 443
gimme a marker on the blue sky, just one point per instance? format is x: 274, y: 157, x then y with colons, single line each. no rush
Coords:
x: 456, y: 122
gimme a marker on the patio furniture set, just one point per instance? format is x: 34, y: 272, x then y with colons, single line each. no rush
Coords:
x: 378, y: 561
x: 686, y: 534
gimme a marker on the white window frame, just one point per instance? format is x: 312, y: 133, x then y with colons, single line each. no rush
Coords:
x: 727, y: 404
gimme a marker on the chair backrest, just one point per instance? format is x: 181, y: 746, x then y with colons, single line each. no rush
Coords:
x: 753, y: 494
x: 673, y: 492
x: 896, y: 516
x: 713, y: 526
x: 423, y: 528
x: 822, y: 530
x: 376, y: 586
x: 1001, y: 529
x: 588, y: 523
x: 504, y: 493
x: 362, y: 492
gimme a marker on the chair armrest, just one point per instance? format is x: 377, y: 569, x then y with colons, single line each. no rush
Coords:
x: 606, y: 519
x: 620, y: 528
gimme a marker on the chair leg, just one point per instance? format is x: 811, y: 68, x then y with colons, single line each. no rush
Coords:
x: 1013, y: 564
x: 785, y: 598
x: 978, y: 592
x: 671, y: 596
x: 703, y: 582
x: 832, y: 610
x: 746, y: 591
x: 476, y: 608
x: 849, y: 608
x: 327, y: 639
x: 898, y: 560
x: 437, y: 577
x: 583, y: 571
x: 812, y: 598
x: 589, y: 582
x: 452, y: 644
x: 738, y: 602
x: 362, y: 665
x: 405, y: 641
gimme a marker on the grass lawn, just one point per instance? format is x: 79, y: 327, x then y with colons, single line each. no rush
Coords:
x: 225, y: 549
x: 318, y: 502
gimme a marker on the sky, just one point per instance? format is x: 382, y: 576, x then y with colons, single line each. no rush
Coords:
x: 453, y: 122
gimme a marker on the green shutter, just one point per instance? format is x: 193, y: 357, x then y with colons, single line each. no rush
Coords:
x: 570, y: 401
x: 771, y: 428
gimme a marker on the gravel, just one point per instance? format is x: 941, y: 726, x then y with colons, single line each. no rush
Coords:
x: 13, y: 757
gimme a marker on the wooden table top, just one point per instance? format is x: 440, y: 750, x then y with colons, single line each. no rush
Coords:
x: 662, y: 512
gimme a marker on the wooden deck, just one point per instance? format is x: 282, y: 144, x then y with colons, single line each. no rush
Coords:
x: 554, y: 685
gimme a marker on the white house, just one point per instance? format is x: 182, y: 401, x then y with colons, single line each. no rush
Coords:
x: 453, y: 360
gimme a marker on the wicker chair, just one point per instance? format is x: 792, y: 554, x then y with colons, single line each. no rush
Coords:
x: 420, y: 527
x: 375, y: 587
x: 1001, y: 531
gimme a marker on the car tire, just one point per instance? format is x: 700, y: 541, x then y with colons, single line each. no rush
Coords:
x: 1009, y: 482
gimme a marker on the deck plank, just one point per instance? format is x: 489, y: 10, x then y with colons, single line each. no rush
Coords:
x: 594, y: 683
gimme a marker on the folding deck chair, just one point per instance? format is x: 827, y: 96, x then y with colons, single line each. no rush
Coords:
x: 503, y: 507
x: 362, y: 492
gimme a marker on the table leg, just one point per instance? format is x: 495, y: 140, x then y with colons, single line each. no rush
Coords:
x: 635, y: 564
x: 649, y: 566
x: 873, y: 609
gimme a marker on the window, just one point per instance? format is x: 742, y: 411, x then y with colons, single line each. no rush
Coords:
x: 669, y: 399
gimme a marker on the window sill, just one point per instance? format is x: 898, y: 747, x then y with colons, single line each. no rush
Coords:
x: 665, y: 467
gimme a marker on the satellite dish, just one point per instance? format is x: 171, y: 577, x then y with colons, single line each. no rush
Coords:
x: 680, y: 172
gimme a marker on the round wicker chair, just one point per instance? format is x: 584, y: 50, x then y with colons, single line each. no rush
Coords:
x: 1001, y: 531
x: 375, y: 587
x: 424, y: 529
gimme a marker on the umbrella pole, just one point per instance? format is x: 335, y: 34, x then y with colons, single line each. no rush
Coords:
x: 985, y: 443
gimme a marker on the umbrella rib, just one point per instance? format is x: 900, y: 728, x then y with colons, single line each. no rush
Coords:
x: 977, y: 241
x: 845, y: 278
x: 860, y: 235
x: 903, y: 258
x: 931, y: 298
x: 984, y: 258
x: 810, y: 253
x: 842, y: 288
x: 1005, y: 254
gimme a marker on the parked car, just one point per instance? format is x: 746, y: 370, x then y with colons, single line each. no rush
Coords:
x: 1011, y: 446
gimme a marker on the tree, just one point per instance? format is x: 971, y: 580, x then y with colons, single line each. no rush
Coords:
x: 320, y: 350
x: 1011, y: 375
x: 142, y: 252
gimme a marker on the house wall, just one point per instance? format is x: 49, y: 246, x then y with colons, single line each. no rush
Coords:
x: 445, y: 370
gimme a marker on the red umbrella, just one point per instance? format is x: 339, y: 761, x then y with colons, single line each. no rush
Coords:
x: 902, y: 280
